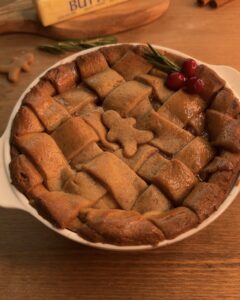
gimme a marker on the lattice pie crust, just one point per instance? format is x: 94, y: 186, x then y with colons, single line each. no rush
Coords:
x: 100, y: 146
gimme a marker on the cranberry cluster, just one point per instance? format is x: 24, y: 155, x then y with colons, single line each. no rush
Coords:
x: 186, y: 78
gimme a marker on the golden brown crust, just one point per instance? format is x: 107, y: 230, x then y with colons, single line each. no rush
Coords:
x: 181, y: 107
x: 160, y: 92
x: 196, y: 155
x: 62, y: 207
x: 121, y: 175
x: 26, y: 122
x: 85, y: 231
x: 135, y: 162
x: 138, y: 65
x: 152, y: 199
x: 76, y: 99
x: 43, y: 88
x: 131, y: 94
x: 73, y: 136
x: 196, y: 125
x: 50, y: 113
x: 223, y: 130
x: 151, y: 166
x: 204, y: 199
x: 24, y: 174
x: 212, y: 82
x: 107, y: 202
x: 226, y: 177
x: 63, y: 77
x: 169, y: 138
x: 91, y: 63
x: 103, y: 83
x: 84, y: 185
x: 175, y: 221
x: 175, y: 179
x: 226, y: 102
x: 46, y: 155
x: 114, y: 53
x: 88, y: 153
x: 122, y: 227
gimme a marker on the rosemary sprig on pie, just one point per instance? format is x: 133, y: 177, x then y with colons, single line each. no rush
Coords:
x: 160, y: 61
x: 74, y: 45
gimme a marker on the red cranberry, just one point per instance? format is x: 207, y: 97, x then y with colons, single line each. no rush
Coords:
x: 195, y: 85
x: 189, y: 67
x: 175, y: 81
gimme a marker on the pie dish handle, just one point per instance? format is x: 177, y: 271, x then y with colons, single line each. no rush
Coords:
x: 231, y: 75
x: 8, y: 197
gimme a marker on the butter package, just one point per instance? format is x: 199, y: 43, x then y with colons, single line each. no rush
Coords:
x: 54, y: 11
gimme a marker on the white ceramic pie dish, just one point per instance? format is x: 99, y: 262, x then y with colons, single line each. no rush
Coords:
x: 10, y: 197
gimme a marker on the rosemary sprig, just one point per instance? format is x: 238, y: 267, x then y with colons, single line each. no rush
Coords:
x: 74, y: 45
x: 160, y: 61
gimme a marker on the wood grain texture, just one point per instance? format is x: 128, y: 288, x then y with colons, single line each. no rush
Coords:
x: 37, y: 264
x: 19, y: 16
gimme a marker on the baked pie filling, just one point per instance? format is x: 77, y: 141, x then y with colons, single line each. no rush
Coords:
x: 102, y: 147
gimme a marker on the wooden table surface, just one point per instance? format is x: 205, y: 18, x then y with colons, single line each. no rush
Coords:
x: 36, y: 263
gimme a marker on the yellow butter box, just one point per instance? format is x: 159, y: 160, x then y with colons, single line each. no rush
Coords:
x: 54, y: 11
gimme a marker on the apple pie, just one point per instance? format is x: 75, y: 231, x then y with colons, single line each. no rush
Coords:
x: 100, y: 146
